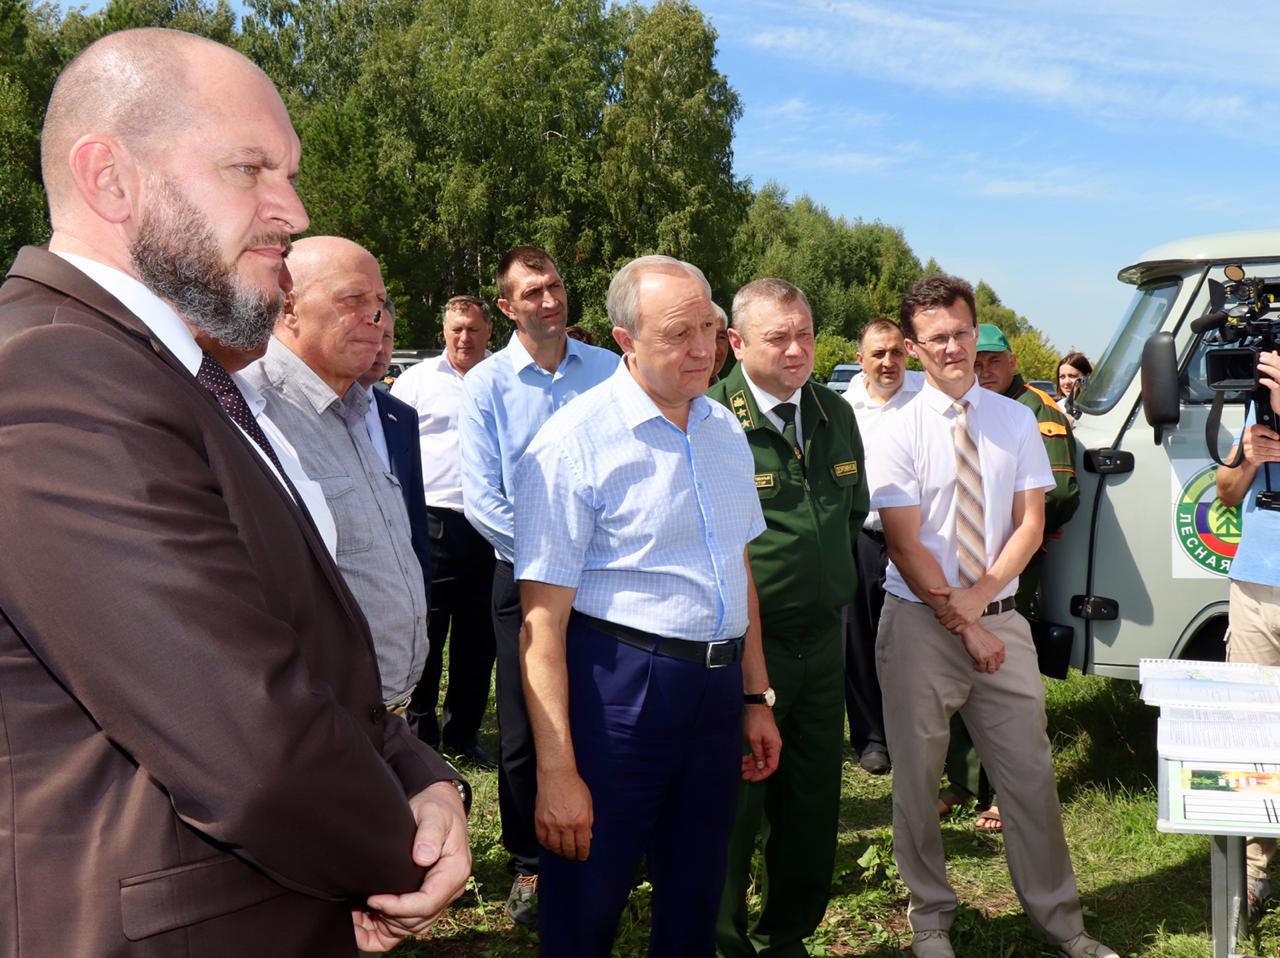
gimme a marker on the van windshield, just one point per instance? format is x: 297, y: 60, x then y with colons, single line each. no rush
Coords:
x: 1115, y: 371
x: 842, y: 374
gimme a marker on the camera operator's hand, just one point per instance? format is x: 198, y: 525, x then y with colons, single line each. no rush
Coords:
x: 1269, y: 376
x: 1261, y: 445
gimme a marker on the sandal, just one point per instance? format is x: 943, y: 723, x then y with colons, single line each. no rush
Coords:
x: 988, y: 820
x: 948, y: 802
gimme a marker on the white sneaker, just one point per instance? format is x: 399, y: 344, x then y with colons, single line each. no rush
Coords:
x: 1082, y: 946
x: 935, y: 943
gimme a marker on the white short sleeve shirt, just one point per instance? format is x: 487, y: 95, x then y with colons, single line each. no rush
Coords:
x: 917, y: 467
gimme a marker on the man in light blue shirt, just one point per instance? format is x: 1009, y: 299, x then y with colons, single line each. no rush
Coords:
x: 1253, y: 633
x: 642, y: 633
x: 507, y: 398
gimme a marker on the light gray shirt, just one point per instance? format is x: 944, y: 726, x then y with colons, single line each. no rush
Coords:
x: 374, y: 549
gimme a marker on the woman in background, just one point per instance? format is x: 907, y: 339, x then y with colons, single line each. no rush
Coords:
x: 1072, y: 369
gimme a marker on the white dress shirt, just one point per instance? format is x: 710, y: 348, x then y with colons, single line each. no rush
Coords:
x: 160, y: 318
x: 918, y: 468
x: 869, y: 414
x: 434, y: 388
x: 767, y: 402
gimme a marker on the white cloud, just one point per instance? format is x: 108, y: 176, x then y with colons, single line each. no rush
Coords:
x: 798, y: 110
x: 1110, y: 62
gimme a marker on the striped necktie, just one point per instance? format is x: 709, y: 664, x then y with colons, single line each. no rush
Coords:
x: 971, y: 539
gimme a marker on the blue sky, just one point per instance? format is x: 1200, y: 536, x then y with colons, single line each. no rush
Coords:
x: 1039, y: 146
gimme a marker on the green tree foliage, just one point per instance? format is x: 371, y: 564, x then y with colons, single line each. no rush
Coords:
x: 666, y: 175
x: 1037, y: 359
x: 851, y: 271
x: 440, y: 133
x: 21, y: 198
x: 829, y: 350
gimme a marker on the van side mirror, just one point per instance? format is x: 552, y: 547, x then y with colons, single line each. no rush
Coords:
x: 1160, y: 403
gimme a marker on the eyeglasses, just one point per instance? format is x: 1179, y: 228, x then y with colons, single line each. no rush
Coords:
x: 962, y: 337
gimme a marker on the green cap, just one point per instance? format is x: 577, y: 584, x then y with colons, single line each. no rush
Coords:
x: 991, y: 340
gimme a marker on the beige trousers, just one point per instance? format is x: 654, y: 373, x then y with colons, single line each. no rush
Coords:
x: 1254, y: 636
x: 926, y: 676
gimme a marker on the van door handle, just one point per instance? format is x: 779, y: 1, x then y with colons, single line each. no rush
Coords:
x: 1108, y: 462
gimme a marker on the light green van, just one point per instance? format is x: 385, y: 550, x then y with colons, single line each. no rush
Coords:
x: 1141, y: 571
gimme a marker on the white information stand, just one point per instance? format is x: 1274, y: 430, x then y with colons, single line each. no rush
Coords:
x: 1219, y: 772
x: 1228, y: 902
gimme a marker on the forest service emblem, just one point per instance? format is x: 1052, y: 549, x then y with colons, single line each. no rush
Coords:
x: 1208, y: 531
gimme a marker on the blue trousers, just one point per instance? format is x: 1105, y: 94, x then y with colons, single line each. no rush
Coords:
x: 658, y: 742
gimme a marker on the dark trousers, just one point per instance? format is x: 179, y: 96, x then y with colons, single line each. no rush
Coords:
x: 461, y: 612
x: 658, y: 741
x: 517, y: 762
x: 795, y: 812
x: 861, y: 620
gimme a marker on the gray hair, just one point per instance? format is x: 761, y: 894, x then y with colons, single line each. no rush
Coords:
x: 720, y: 314
x: 624, y: 290
x: 462, y: 303
x: 776, y: 291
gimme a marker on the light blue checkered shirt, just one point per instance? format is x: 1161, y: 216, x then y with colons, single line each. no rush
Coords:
x: 507, y: 397
x: 646, y: 521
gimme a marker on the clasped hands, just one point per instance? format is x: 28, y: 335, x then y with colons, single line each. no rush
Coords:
x: 961, y: 614
x: 440, y: 845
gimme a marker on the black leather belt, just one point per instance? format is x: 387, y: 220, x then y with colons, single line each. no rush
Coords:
x: 1000, y: 605
x: 711, y: 655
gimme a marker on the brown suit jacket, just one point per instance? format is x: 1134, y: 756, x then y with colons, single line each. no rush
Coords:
x: 194, y: 758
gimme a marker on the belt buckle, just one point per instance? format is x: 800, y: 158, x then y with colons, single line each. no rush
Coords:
x: 710, y: 655
x: 400, y: 704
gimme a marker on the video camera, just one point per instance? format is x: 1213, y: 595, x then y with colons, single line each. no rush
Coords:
x: 1252, y: 329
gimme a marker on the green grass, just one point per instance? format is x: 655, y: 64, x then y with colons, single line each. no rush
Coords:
x: 1146, y: 894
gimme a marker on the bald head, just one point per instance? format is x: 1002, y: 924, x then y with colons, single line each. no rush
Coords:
x: 335, y: 318
x: 316, y: 257
x: 138, y: 87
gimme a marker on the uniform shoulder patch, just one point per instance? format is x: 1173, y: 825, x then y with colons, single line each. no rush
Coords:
x: 765, y: 480
x: 738, y: 403
x: 1052, y: 430
x: 1044, y: 396
x: 849, y: 468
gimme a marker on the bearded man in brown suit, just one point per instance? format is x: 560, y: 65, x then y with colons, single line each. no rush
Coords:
x: 195, y: 759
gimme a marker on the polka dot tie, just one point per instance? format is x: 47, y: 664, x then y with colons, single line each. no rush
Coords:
x: 213, y: 377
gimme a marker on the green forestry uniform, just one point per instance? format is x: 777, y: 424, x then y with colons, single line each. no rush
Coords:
x: 964, y: 772
x: 1059, y: 502
x: 803, y: 566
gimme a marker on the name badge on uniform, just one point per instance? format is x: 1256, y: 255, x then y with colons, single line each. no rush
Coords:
x: 843, y: 469
x: 764, y: 480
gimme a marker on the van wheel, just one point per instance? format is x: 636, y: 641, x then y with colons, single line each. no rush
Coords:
x: 1207, y: 645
